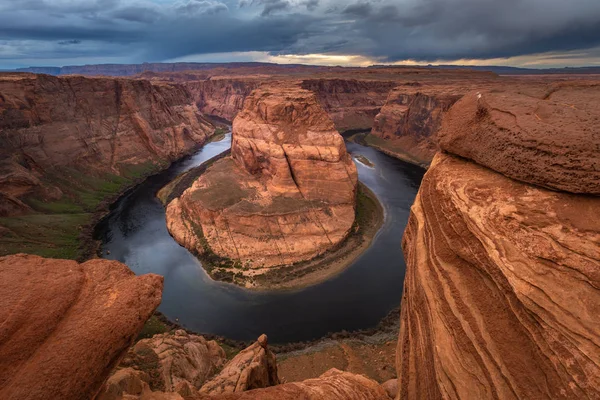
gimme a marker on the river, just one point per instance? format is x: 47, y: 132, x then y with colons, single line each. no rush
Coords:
x: 135, y: 233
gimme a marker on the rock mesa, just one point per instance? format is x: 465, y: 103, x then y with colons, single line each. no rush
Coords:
x: 286, y: 194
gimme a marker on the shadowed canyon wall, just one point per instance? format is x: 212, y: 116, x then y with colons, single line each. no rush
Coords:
x: 67, y: 144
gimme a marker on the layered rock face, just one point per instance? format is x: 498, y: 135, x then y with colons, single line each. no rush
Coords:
x: 501, y: 295
x: 223, y: 98
x: 351, y: 103
x: 57, y: 132
x: 66, y: 325
x: 411, y: 118
x: 286, y: 194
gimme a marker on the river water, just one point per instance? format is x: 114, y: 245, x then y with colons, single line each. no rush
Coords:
x: 135, y: 233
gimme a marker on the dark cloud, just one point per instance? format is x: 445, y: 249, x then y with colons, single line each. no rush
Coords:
x: 385, y: 30
x: 136, y: 14
x: 193, y: 7
x: 69, y: 42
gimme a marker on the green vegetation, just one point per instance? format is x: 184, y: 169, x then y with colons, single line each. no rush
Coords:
x: 153, y: 326
x: 62, y: 228
x: 219, y: 135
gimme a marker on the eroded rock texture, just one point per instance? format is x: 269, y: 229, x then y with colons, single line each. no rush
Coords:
x: 549, y: 138
x: 56, y: 133
x: 351, y: 103
x: 64, y: 325
x: 501, y: 294
x: 332, y: 385
x: 411, y: 118
x: 286, y: 194
x: 254, y: 367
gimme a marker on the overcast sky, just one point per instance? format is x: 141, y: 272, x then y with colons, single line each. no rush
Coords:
x: 533, y: 33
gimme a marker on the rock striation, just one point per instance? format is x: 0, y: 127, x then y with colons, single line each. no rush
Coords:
x: 410, y: 119
x: 501, y: 294
x: 58, y: 134
x: 286, y: 194
x: 352, y: 104
x: 65, y: 326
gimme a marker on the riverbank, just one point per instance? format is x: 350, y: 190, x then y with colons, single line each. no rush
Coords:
x: 365, y: 138
x: 368, y: 219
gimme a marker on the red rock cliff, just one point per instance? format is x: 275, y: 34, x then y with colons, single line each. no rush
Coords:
x: 74, y: 127
x: 411, y: 118
x: 501, y: 294
x: 351, y: 103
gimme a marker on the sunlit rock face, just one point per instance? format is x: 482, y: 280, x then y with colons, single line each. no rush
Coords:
x: 66, y: 325
x: 502, y: 295
x: 286, y: 194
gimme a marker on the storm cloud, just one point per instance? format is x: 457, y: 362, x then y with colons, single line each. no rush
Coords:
x: 61, y: 31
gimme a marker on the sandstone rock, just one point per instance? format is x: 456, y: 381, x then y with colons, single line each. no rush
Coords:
x: 501, y: 295
x: 351, y: 103
x: 254, y: 367
x: 65, y: 325
x: 550, y: 139
x: 332, y: 385
x: 391, y: 388
x: 176, y: 360
x: 286, y: 194
x: 222, y: 97
x: 58, y: 134
x: 411, y: 118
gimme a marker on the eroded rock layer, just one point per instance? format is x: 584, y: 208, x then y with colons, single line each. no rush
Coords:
x: 502, y: 290
x: 286, y: 194
x: 59, y: 134
x: 411, y: 118
x: 351, y: 103
x: 65, y: 325
x: 548, y: 138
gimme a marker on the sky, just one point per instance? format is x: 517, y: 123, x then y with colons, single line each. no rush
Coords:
x: 527, y: 33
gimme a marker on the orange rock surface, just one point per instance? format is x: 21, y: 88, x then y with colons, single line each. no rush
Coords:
x: 501, y: 295
x: 65, y: 325
x: 548, y: 138
x: 286, y: 194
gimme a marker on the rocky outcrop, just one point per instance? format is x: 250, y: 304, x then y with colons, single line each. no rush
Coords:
x: 254, y: 367
x: 332, y: 385
x: 351, y: 103
x: 286, y: 194
x: 65, y: 325
x: 410, y: 119
x: 176, y: 359
x: 501, y: 294
x: 551, y: 141
x: 61, y: 136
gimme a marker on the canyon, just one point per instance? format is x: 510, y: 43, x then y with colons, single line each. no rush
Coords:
x: 286, y: 194
x: 68, y: 144
x: 502, y: 247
